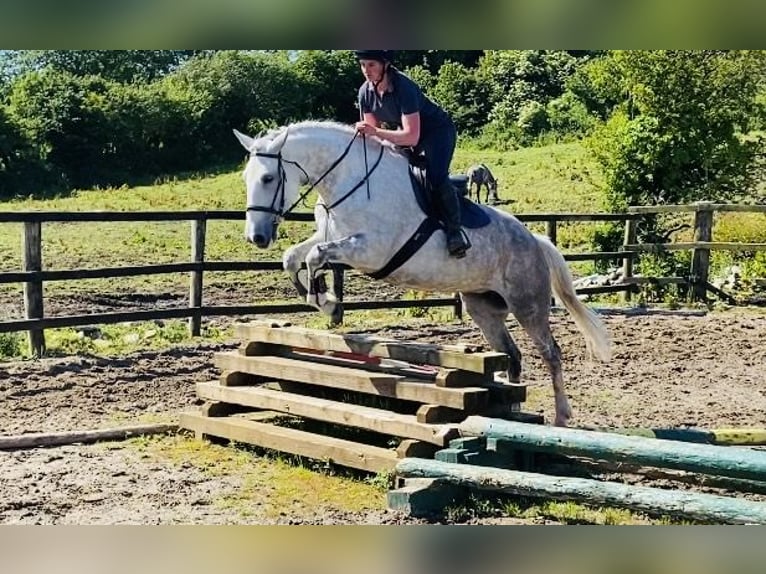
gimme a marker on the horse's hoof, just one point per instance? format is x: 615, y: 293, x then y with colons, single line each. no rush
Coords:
x: 336, y: 318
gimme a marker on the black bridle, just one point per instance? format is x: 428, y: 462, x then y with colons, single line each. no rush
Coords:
x: 277, y: 207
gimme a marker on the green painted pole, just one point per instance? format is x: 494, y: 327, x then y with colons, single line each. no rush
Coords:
x: 701, y: 458
x: 656, y: 501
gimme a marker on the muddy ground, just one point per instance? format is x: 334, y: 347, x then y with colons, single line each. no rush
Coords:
x: 667, y: 371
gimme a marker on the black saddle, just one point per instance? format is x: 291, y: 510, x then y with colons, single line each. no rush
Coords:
x: 472, y: 216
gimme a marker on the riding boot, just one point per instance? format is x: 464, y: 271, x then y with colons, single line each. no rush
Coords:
x: 457, y: 242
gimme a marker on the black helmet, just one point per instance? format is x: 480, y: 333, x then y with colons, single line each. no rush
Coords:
x: 379, y: 55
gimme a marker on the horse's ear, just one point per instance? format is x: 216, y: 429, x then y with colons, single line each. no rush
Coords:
x: 246, y: 141
x: 280, y: 140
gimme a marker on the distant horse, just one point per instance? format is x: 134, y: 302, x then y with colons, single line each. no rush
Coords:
x: 481, y: 175
x: 368, y: 217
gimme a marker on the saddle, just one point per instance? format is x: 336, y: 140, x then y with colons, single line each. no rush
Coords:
x: 472, y: 215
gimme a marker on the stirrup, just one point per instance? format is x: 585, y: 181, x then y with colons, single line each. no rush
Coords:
x: 460, y: 251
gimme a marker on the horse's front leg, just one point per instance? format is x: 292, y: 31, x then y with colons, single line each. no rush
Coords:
x: 293, y: 259
x: 352, y: 251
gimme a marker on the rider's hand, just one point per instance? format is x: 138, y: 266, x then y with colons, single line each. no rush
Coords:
x: 366, y: 129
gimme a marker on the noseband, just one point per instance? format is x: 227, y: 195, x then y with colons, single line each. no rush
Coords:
x: 277, y: 207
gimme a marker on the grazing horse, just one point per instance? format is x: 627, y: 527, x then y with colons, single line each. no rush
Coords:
x: 481, y: 175
x: 366, y: 217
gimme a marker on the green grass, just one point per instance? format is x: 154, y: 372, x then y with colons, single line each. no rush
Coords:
x: 487, y: 505
x: 272, y: 485
x: 558, y: 178
x: 110, y: 340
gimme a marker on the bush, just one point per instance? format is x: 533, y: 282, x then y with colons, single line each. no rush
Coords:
x: 10, y: 345
x: 568, y: 116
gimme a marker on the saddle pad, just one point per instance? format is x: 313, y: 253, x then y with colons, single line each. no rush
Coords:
x: 472, y: 215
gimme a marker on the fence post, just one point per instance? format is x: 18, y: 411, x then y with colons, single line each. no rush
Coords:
x: 195, y: 277
x: 703, y: 231
x: 551, y: 230
x: 33, y: 290
x: 458, y: 310
x: 627, y: 263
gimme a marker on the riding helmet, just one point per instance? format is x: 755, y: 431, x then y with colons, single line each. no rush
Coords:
x: 379, y: 55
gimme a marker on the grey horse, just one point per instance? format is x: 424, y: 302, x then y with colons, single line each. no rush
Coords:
x: 480, y: 175
x: 366, y: 211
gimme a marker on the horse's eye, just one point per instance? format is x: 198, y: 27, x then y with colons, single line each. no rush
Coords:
x: 267, y: 178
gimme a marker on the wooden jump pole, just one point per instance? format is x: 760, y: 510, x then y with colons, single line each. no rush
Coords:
x: 720, y: 436
x: 689, y: 505
x: 33, y: 440
x: 701, y: 458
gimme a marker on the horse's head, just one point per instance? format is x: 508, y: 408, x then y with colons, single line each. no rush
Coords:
x: 272, y: 183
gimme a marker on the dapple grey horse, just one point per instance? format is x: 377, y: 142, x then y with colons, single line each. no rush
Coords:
x: 366, y: 211
x: 480, y: 175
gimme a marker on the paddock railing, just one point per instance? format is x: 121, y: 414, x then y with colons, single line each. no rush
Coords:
x: 33, y: 276
x: 698, y: 279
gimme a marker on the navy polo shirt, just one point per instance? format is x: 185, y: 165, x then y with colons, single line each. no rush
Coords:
x: 402, y: 97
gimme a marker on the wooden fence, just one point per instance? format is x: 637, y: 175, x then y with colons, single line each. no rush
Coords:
x: 699, y: 272
x: 33, y: 276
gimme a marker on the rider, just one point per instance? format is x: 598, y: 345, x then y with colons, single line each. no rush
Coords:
x: 390, y: 97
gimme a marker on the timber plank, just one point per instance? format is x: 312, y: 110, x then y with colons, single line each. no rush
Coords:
x: 424, y: 353
x: 338, y: 358
x: 470, y: 399
x: 293, y: 441
x: 461, y: 378
x: 378, y: 420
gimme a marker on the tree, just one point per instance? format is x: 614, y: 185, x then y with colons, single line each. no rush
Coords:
x: 119, y: 65
x: 464, y: 95
x: 21, y: 170
x: 679, y: 135
x: 235, y: 89
x: 331, y: 79
x: 433, y: 60
x: 522, y: 83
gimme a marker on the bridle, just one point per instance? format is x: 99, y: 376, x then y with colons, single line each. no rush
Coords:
x: 277, y: 207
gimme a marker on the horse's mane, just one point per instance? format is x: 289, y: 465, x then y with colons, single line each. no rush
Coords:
x: 345, y: 129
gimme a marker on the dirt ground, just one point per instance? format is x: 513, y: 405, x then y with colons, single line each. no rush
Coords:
x: 667, y: 371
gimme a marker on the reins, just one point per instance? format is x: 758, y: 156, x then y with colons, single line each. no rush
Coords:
x: 279, y: 194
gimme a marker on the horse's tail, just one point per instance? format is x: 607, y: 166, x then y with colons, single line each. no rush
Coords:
x: 588, y: 322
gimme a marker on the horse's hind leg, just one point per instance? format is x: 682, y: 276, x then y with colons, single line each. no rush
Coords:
x: 488, y: 311
x: 534, y: 320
